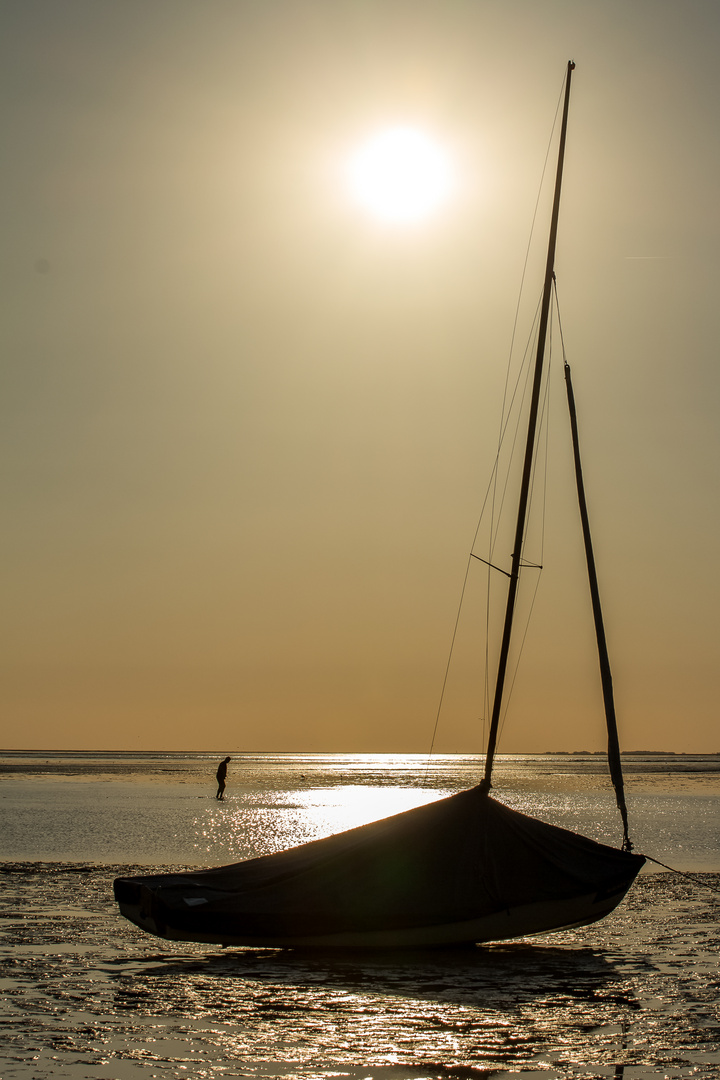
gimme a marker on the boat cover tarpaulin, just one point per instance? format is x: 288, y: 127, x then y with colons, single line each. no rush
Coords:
x: 455, y: 859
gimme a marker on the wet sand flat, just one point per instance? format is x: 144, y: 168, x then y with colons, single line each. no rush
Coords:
x: 88, y: 995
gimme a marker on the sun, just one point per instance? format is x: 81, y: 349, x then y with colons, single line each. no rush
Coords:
x: 400, y: 175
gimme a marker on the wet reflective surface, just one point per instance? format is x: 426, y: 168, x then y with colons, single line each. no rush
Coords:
x: 160, y: 808
x: 86, y: 993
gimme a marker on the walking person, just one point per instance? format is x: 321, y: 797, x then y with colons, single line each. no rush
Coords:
x: 221, y: 774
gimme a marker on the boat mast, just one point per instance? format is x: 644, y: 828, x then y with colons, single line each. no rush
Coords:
x: 529, y: 448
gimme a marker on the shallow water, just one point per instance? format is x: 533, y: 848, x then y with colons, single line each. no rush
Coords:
x: 89, y: 995
x: 160, y: 808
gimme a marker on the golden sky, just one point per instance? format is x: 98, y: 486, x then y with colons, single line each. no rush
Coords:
x: 247, y: 428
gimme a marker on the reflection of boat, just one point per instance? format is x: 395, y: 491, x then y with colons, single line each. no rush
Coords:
x: 506, y: 977
x: 463, y: 869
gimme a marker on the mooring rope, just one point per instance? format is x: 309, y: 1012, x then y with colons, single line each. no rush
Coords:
x: 684, y: 873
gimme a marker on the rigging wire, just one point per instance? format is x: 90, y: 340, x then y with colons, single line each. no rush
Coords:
x: 684, y: 873
x: 496, y: 513
x: 544, y: 422
x: 512, y: 408
x: 506, y: 412
x: 525, y: 367
x: 490, y: 494
x: 506, y: 409
x: 527, y: 253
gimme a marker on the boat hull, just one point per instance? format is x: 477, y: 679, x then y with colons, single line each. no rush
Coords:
x: 523, y: 921
x: 461, y: 870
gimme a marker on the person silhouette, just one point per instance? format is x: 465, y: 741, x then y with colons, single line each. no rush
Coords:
x: 221, y: 774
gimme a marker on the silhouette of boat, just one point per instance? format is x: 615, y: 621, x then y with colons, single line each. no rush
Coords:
x: 461, y: 870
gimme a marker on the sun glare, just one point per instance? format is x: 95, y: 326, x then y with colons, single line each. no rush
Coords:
x: 400, y: 175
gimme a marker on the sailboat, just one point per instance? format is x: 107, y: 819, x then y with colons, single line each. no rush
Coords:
x: 462, y: 870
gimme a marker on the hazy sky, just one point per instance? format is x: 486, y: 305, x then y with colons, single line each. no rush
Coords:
x: 246, y: 430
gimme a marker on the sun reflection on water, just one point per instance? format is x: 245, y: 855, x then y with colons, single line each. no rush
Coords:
x: 263, y: 822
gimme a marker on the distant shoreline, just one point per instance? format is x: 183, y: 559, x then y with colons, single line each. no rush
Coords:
x: 630, y: 753
x: 369, y: 753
